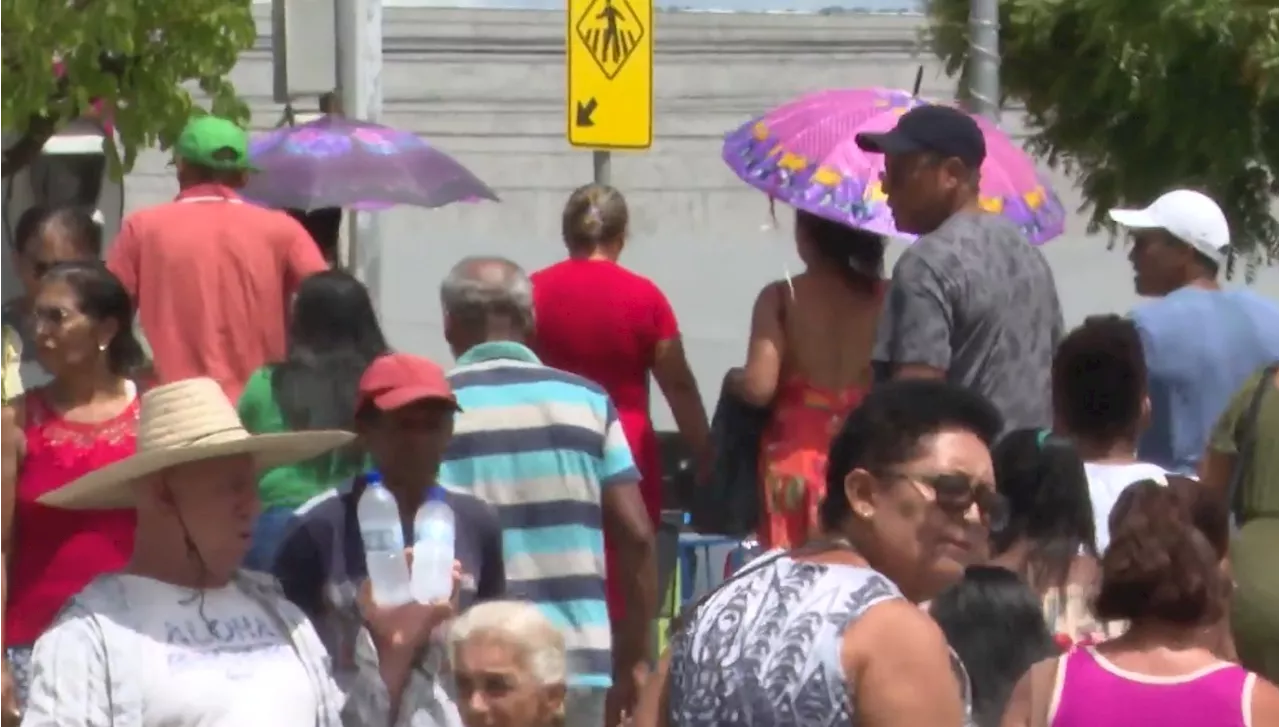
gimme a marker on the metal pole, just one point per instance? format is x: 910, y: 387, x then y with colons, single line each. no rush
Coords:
x: 600, y: 167
x: 984, y: 58
x: 359, y: 35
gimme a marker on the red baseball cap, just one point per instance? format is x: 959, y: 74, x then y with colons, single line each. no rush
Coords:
x: 394, y: 380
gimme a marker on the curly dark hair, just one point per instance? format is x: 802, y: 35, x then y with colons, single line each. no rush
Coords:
x: 1043, y: 479
x: 887, y: 428
x: 1099, y: 379
x: 1159, y: 564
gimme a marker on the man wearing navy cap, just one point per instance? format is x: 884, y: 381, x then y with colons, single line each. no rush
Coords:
x: 971, y: 301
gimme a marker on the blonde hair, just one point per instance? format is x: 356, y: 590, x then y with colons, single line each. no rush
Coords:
x: 540, y: 645
x: 595, y: 214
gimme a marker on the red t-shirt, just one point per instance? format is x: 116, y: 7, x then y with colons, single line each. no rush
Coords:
x: 599, y: 320
x: 213, y: 278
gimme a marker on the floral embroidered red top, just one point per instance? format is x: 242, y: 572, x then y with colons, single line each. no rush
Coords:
x: 55, y: 553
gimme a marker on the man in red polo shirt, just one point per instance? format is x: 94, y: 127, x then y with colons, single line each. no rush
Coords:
x: 212, y: 275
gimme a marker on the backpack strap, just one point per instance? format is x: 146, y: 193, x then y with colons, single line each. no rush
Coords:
x: 1246, y: 434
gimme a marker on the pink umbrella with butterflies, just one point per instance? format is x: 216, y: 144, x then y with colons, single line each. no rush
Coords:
x: 803, y: 154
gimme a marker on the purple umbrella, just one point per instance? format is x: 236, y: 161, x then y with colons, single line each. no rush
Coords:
x: 337, y: 162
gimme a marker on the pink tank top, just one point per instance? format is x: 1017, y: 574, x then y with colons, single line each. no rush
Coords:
x: 1093, y: 692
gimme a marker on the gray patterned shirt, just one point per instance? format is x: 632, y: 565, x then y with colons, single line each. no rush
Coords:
x: 975, y: 299
x: 764, y: 650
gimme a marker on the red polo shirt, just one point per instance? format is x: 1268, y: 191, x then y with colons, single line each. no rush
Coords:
x: 213, y: 278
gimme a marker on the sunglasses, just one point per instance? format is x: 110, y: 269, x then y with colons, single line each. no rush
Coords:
x: 955, y: 493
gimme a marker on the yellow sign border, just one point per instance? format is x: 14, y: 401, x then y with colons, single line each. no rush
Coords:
x: 570, y: 113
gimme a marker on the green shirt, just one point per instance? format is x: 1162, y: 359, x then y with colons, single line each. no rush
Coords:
x: 289, y: 485
x: 1260, y: 495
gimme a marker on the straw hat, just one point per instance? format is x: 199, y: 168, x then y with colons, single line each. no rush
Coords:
x: 187, y: 421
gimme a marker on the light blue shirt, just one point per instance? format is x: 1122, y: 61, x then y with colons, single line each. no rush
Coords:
x: 1200, y: 347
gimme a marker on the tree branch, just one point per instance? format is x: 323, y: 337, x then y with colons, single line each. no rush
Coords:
x: 27, y: 148
x: 42, y: 128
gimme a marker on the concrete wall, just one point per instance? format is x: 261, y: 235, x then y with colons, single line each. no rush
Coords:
x: 487, y: 86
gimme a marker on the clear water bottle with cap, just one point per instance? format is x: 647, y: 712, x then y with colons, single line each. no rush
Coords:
x: 433, y: 533
x: 383, y: 538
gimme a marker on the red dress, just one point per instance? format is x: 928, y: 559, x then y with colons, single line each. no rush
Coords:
x: 601, y: 321
x: 793, y: 455
x: 793, y: 459
x: 55, y: 552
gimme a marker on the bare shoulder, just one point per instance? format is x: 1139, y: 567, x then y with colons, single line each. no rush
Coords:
x: 774, y: 292
x: 1032, y: 696
x: 894, y: 653
x: 14, y: 410
x: 894, y: 628
x: 1265, y: 705
x: 897, y: 620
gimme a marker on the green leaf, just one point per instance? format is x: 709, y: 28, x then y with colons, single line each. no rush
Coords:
x: 1139, y: 97
x: 135, y: 57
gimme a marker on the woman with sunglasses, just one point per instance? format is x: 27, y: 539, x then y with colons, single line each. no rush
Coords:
x: 84, y: 418
x: 832, y: 632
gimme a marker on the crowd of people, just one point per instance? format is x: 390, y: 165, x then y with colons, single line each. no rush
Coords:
x: 971, y: 516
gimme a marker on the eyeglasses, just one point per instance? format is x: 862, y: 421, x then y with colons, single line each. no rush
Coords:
x: 51, y: 316
x: 955, y: 493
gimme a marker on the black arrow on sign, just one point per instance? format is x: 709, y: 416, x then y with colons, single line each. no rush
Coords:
x: 585, y: 111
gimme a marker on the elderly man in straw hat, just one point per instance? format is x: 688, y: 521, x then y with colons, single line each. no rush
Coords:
x: 182, y: 636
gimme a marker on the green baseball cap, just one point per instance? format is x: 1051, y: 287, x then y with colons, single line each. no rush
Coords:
x: 216, y: 143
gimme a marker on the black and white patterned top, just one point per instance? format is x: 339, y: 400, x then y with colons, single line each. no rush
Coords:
x: 764, y: 651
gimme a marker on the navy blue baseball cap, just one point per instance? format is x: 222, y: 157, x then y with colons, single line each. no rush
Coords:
x: 942, y: 130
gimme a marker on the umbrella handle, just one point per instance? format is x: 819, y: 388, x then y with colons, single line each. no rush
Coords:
x: 287, y: 118
x: 915, y: 90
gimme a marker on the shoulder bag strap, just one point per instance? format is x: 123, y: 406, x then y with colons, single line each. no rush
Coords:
x: 1246, y: 435
x: 814, y: 548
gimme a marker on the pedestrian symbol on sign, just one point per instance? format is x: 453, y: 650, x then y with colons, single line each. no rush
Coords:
x: 610, y: 30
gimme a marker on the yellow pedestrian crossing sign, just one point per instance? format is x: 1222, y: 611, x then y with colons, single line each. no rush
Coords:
x: 609, y: 53
x: 611, y: 31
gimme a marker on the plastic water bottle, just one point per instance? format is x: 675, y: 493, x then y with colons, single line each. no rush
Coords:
x: 383, y: 543
x: 433, y: 533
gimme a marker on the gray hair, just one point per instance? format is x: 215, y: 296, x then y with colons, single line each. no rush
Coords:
x: 521, y: 625
x: 479, y: 289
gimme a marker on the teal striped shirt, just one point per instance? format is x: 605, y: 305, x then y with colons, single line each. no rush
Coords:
x: 540, y: 445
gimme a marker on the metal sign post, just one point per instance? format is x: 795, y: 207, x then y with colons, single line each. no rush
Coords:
x: 359, y: 57
x: 609, y: 67
x: 984, y: 58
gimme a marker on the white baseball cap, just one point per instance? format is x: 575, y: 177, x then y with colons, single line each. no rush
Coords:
x: 1189, y: 216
